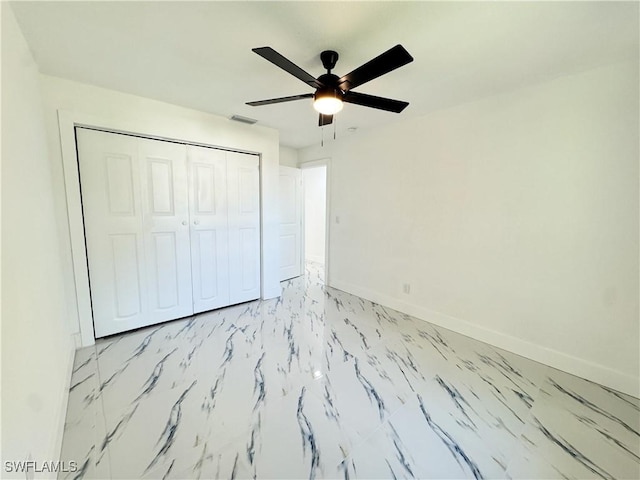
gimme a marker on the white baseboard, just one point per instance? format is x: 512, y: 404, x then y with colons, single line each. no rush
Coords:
x: 553, y: 358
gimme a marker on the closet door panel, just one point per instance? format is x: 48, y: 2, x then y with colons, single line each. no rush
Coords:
x: 126, y: 292
x: 248, y: 266
x: 166, y: 230
x: 113, y: 218
x: 209, y: 229
x: 207, y: 287
x: 243, y: 193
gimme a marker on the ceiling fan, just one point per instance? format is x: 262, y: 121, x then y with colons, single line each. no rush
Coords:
x: 332, y: 91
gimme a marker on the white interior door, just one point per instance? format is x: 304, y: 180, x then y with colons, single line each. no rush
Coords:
x: 290, y: 188
x: 209, y: 228
x: 243, y: 196
x: 314, y: 180
x: 135, y: 208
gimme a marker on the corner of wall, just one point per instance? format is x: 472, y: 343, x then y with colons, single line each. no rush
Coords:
x: 37, y: 345
x: 288, y: 157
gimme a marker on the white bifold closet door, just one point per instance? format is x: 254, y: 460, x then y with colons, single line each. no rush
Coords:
x: 225, y: 230
x: 159, y: 221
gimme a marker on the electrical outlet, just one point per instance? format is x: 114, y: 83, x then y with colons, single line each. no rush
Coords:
x: 406, y: 288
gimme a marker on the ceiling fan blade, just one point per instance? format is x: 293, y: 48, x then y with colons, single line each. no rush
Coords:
x: 393, y: 58
x: 280, y: 100
x: 375, y: 102
x: 274, y: 57
x: 325, y: 120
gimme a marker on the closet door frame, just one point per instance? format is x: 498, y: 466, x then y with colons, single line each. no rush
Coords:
x: 67, y: 123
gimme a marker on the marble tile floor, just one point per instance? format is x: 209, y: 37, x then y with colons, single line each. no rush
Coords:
x: 323, y: 384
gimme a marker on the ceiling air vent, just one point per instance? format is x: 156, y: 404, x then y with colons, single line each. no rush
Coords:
x: 241, y: 119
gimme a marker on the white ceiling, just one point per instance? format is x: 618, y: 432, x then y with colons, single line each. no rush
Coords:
x: 198, y: 54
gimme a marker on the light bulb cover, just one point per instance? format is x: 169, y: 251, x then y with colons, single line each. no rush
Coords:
x: 328, y: 101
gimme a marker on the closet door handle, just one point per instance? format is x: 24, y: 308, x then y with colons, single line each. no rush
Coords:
x: 196, y: 222
x: 184, y: 222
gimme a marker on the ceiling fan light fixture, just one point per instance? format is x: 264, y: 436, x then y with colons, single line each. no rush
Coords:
x: 332, y: 91
x: 328, y: 101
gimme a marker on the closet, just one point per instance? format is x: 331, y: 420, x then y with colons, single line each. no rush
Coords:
x: 171, y: 229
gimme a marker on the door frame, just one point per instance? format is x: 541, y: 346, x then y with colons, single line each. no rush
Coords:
x: 67, y: 123
x: 327, y: 216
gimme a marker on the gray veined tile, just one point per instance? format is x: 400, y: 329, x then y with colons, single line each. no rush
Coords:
x: 558, y: 447
x: 351, y: 318
x: 193, y: 420
x: 363, y: 397
x: 571, y: 392
x: 147, y: 438
x: 485, y: 396
x: 226, y: 463
x: 322, y: 384
x: 294, y: 343
x: 81, y: 444
x: 135, y: 371
x: 84, y: 422
x: 83, y: 389
x: 580, y: 430
x: 299, y: 436
x: 413, y: 445
x: 84, y: 360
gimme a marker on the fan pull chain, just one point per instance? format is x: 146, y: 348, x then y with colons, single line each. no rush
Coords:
x: 322, y: 138
x: 334, y: 127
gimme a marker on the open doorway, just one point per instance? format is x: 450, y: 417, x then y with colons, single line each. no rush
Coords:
x: 314, y: 180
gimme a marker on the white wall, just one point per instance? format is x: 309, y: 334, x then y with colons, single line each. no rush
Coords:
x: 37, y: 346
x: 288, y: 157
x: 514, y: 219
x: 315, y: 198
x: 111, y: 109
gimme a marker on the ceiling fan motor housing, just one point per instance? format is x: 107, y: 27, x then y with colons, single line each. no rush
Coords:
x: 329, y: 80
x: 329, y: 59
x: 330, y: 86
